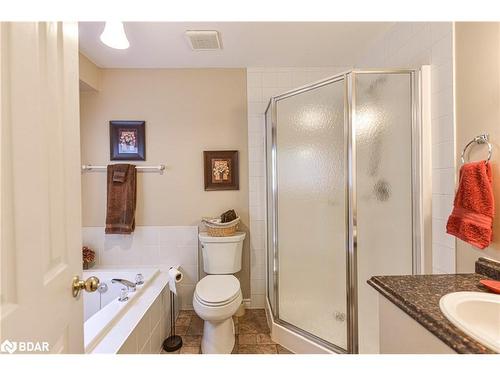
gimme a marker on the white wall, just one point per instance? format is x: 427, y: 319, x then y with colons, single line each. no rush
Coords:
x: 155, y: 246
x: 262, y: 83
x: 412, y: 45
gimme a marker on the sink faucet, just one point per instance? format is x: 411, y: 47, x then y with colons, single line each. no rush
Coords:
x: 129, y: 284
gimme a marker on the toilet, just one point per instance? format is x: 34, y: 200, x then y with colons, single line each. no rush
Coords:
x: 218, y: 296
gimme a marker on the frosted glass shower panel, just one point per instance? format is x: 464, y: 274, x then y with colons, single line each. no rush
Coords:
x: 311, y: 211
x: 382, y: 122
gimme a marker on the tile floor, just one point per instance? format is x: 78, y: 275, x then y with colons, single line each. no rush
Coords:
x: 252, y: 334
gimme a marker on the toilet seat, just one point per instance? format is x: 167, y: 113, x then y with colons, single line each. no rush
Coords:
x: 217, y: 290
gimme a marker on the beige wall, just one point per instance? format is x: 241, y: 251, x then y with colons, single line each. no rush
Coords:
x: 477, y: 100
x: 89, y: 73
x: 186, y: 111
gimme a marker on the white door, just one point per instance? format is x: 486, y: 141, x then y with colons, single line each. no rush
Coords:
x: 40, y: 188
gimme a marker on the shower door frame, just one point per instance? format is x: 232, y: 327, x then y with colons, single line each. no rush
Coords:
x: 349, y: 80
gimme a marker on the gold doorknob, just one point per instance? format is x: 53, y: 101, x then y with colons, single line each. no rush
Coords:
x: 90, y: 285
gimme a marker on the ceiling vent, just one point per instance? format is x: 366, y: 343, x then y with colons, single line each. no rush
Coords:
x: 204, y: 40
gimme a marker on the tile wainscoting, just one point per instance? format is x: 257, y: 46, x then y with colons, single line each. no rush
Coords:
x: 158, y: 246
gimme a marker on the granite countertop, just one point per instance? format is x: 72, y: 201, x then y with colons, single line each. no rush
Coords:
x: 419, y: 295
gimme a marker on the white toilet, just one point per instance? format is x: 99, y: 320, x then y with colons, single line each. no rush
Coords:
x: 218, y: 295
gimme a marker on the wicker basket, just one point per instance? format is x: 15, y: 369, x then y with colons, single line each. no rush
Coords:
x: 217, y: 229
x: 221, y: 232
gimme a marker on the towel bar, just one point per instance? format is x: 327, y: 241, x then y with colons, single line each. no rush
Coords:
x: 480, y: 139
x: 154, y: 168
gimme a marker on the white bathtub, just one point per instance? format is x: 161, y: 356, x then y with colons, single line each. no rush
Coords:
x: 108, y: 321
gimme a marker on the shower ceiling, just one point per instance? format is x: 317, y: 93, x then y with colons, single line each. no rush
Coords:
x: 245, y: 44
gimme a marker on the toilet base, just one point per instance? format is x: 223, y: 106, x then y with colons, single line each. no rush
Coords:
x: 218, y: 337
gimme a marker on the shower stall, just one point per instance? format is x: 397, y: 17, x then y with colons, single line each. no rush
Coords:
x: 343, y: 202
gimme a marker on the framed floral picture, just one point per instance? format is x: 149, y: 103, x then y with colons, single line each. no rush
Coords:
x: 127, y: 140
x: 221, y: 170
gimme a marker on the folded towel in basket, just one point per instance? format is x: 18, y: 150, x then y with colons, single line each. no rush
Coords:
x: 228, y: 216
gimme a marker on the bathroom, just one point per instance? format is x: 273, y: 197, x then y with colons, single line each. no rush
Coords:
x: 210, y: 187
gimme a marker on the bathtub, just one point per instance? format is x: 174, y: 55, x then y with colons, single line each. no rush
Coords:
x: 110, y: 323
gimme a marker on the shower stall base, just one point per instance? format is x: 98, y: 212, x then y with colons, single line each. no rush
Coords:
x: 344, y: 203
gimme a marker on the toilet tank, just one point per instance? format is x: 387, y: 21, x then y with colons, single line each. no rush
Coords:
x: 221, y: 255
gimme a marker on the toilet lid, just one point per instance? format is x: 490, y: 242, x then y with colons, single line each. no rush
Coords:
x: 217, y: 289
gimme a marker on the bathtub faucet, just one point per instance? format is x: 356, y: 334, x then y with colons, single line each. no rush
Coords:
x: 129, y: 284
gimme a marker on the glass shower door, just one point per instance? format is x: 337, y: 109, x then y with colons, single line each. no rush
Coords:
x: 382, y: 122
x: 308, y: 150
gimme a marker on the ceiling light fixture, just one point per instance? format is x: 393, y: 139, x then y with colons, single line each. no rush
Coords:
x: 114, y: 35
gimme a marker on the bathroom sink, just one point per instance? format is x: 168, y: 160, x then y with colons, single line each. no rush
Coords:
x: 477, y: 314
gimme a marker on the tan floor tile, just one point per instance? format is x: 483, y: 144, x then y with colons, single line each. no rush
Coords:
x: 183, y: 321
x: 247, y: 339
x: 196, y: 319
x: 187, y: 313
x: 264, y: 338
x: 196, y: 327
x: 191, y: 340
x: 257, y: 349
x: 252, y: 326
x: 254, y: 337
x: 181, y: 330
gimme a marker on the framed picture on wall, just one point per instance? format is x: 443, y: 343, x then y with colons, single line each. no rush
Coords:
x: 127, y: 140
x: 221, y: 170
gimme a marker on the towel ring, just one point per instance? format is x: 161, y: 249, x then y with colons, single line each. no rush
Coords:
x: 480, y: 139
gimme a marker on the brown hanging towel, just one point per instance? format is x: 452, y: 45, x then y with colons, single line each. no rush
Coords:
x: 122, y: 196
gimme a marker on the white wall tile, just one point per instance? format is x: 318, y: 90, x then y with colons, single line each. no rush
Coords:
x: 443, y: 181
x: 185, y: 296
x: 160, y: 247
x: 257, y: 286
x: 258, y: 301
x: 443, y: 259
x: 439, y: 235
x: 442, y: 50
x: 284, y: 79
x: 254, y: 94
x: 411, y: 45
x: 256, y: 123
x: 442, y: 205
x: 442, y: 129
x: 439, y: 30
x: 254, y: 79
x: 269, y: 79
x: 442, y: 103
x: 443, y: 155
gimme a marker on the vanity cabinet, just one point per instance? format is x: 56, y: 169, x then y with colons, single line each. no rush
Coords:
x: 401, y: 334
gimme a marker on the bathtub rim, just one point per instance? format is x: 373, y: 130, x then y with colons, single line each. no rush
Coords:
x: 113, y: 326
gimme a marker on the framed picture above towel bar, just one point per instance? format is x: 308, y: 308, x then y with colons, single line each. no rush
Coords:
x: 127, y: 140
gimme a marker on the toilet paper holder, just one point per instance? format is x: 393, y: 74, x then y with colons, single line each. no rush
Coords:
x: 172, y: 342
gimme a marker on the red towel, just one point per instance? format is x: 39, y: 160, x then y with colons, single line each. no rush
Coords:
x: 474, y: 206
